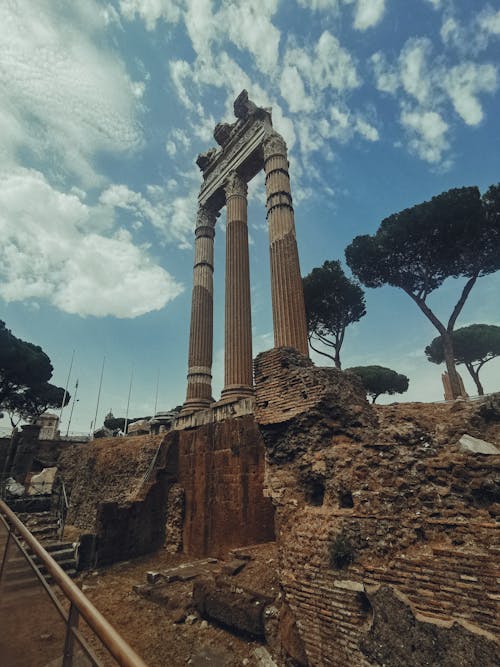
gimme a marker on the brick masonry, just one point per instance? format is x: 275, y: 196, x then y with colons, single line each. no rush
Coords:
x: 221, y: 469
x: 388, y: 544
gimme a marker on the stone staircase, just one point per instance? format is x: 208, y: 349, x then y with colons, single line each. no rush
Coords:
x: 20, y: 581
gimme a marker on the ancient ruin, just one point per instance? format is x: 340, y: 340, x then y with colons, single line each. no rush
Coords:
x: 245, y: 148
x: 290, y: 523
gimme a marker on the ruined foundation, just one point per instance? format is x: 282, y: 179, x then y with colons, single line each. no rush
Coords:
x: 386, y: 531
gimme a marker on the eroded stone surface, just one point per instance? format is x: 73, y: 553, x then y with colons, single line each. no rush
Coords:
x: 397, y: 637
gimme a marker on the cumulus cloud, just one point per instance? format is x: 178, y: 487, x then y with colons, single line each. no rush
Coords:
x: 419, y: 77
x: 57, y: 248
x: 71, y: 97
x: 368, y: 13
x: 473, y: 36
x: 151, y: 11
x: 427, y: 131
x: 326, y: 65
x: 171, y: 215
x: 464, y: 83
x: 293, y: 91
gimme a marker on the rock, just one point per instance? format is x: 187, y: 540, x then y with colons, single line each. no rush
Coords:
x: 264, y: 658
x: 13, y: 488
x: 233, y: 567
x: 153, y: 577
x: 191, y: 619
x: 204, y: 625
x: 476, y: 446
x: 42, y: 482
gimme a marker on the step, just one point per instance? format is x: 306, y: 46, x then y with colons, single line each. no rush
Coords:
x: 57, y: 546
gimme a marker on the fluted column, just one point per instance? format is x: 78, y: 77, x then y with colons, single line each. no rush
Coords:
x: 199, y: 389
x: 238, y: 379
x: 289, y: 315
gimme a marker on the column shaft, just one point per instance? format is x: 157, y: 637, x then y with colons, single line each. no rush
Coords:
x: 238, y: 378
x: 199, y: 389
x: 289, y: 315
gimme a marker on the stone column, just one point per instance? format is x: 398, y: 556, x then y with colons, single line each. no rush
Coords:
x: 238, y: 378
x: 289, y: 315
x: 199, y: 389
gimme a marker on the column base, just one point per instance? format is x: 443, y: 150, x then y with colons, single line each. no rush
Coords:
x: 236, y: 391
x: 195, y: 404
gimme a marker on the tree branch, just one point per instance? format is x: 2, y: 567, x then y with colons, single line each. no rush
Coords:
x: 426, y: 311
x: 325, y: 354
x: 460, y: 303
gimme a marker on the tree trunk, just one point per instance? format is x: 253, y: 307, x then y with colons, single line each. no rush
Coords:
x: 337, y: 358
x: 449, y: 358
x: 475, y: 376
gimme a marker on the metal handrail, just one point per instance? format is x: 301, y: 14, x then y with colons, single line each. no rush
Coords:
x: 80, y: 604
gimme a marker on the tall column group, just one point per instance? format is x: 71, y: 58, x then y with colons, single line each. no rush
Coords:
x: 289, y: 318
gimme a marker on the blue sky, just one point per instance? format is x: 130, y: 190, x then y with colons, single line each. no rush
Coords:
x: 104, y: 107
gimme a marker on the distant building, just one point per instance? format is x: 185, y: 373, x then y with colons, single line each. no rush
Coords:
x: 49, y: 424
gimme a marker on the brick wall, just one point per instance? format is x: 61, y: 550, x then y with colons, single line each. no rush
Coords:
x: 387, y: 536
x: 221, y: 469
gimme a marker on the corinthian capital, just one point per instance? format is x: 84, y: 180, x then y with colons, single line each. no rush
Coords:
x: 274, y: 144
x: 235, y: 185
x: 207, y: 216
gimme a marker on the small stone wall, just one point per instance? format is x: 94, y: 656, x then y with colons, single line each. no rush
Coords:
x: 387, y: 538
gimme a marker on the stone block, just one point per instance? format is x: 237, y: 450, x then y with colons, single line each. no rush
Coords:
x: 476, y: 446
x: 42, y: 482
x: 237, y: 609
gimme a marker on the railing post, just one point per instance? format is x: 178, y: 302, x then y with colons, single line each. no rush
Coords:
x: 69, y: 643
x: 4, y: 556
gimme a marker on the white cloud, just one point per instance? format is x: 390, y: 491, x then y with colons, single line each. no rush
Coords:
x: 170, y: 215
x: 366, y: 130
x: 434, y: 85
x: 427, y: 131
x: 56, y: 248
x: 327, y: 65
x: 368, y: 13
x: 318, y: 5
x: 489, y: 21
x: 293, y: 91
x: 414, y: 69
x: 474, y: 36
x: 249, y: 26
x: 463, y: 84
x: 151, y: 11
x: 386, y: 77
x: 71, y: 97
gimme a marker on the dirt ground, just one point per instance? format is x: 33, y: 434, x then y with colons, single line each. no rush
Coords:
x: 172, y: 634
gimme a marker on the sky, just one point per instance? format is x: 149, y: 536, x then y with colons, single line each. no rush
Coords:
x: 104, y: 107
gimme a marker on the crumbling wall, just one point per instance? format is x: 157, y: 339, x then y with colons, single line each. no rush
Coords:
x: 221, y: 470
x: 111, y: 469
x: 375, y: 505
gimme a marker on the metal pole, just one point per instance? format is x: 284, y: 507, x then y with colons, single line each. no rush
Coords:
x: 69, y: 643
x: 6, y: 550
x: 99, y: 394
x: 72, y: 408
x: 128, y: 401
x: 66, y: 388
x: 156, y: 394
